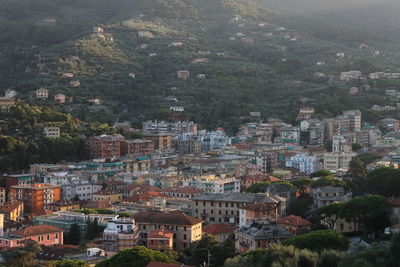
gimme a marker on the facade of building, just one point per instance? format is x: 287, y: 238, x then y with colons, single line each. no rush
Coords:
x: 52, y: 132
x: 120, y: 234
x: 162, y: 142
x: 258, y: 211
x: 105, y: 146
x: 45, y: 235
x: 221, y: 231
x: 42, y: 93
x: 136, y: 147
x: 295, y: 224
x: 336, y: 161
x: 225, y: 208
x: 160, y: 239
x: 259, y: 236
x: 190, y: 146
x: 328, y: 195
x: 36, y: 196
x: 186, y: 229
x: 302, y: 162
x: 6, y: 103
x: 214, y: 184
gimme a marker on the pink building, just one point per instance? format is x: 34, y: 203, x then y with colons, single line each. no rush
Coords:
x: 43, y: 234
x: 160, y: 239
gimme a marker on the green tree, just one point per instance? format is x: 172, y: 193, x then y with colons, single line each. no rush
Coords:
x: 139, y: 256
x: 302, y: 183
x: 330, y: 258
x: 329, y: 214
x: 70, y: 263
x: 73, y: 236
x: 23, y: 256
x: 371, y: 212
x: 321, y: 173
x: 358, y: 174
x: 318, y: 241
x: 328, y: 181
x: 384, y: 181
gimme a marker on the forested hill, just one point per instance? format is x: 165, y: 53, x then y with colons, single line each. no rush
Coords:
x: 241, y: 58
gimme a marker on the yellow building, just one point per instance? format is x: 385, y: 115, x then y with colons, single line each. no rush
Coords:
x: 13, y: 210
x: 6, y: 103
x: 186, y: 229
x: 112, y: 196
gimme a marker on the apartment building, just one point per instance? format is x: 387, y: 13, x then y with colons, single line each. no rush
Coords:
x: 120, y: 234
x: 336, y: 161
x: 105, y: 146
x: 259, y: 236
x: 217, y: 208
x: 214, y: 184
x: 36, y: 196
x: 136, y: 147
x: 186, y: 229
x: 162, y: 142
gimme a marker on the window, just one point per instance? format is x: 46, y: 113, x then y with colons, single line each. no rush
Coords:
x: 184, y: 228
x: 184, y: 237
x: 48, y: 237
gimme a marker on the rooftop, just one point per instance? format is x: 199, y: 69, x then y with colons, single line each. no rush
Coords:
x: 218, y: 228
x: 293, y: 220
x: 239, y: 197
x: 35, y: 230
x: 173, y: 217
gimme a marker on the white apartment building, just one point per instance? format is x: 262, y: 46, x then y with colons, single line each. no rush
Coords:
x: 213, y: 184
x: 52, y: 132
x: 302, y: 162
x: 335, y: 161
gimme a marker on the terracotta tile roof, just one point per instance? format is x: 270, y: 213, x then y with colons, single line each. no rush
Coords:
x: 107, y: 192
x: 260, y: 206
x: 144, y: 196
x: 160, y: 264
x: 293, y: 220
x: 172, y: 218
x: 97, y: 204
x: 10, y: 206
x: 36, y: 230
x: 139, y: 188
x: 183, y: 190
x: 218, y: 228
x: 273, y: 179
x: 161, y: 233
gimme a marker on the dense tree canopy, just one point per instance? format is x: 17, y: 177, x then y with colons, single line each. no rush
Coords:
x: 384, y: 181
x: 318, y: 241
x: 140, y: 256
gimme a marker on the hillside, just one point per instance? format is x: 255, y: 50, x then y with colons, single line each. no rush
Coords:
x: 252, y: 59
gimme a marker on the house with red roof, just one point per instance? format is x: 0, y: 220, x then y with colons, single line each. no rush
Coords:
x: 258, y: 211
x: 186, y: 229
x: 161, y: 239
x: 221, y: 231
x: 45, y: 235
x: 295, y: 224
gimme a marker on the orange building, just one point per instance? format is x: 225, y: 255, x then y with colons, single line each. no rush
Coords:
x: 36, y: 196
x: 162, y: 142
x: 105, y: 146
x: 161, y: 239
x: 258, y: 211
